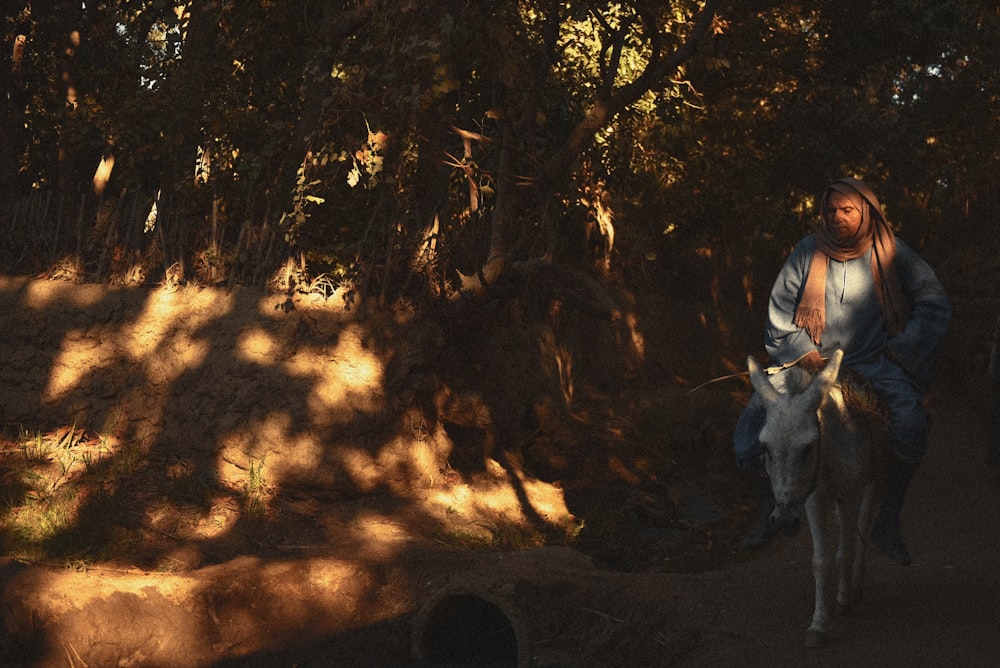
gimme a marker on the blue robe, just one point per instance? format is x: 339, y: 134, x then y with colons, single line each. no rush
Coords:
x: 898, y: 367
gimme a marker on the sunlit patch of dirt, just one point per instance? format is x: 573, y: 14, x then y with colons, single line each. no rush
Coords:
x: 218, y: 455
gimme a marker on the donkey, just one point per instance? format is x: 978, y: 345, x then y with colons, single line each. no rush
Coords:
x: 820, y: 453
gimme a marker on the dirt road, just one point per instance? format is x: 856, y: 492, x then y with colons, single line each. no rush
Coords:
x: 350, y: 597
x: 944, y: 610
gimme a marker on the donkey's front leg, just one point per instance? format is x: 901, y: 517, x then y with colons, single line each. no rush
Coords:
x: 864, y: 527
x: 850, y: 555
x: 822, y: 562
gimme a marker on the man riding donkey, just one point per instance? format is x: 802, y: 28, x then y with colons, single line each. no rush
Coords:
x: 852, y: 285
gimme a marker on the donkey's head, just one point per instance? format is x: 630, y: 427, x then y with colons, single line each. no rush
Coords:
x: 791, y: 436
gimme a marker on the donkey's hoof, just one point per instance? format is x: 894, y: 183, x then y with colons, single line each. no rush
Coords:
x: 815, y: 639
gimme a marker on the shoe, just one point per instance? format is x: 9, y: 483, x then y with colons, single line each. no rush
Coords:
x: 763, y: 531
x: 887, y: 537
x: 886, y: 534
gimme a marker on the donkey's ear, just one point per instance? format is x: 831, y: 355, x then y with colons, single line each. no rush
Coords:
x: 828, y: 376
x: 819, y: 389
x: 760, y: 382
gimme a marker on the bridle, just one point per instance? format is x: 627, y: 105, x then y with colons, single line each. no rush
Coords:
x: 769, y: 371
x: 817, y: 464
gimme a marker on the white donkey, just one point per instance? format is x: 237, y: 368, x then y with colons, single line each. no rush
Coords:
x: 819, y: 453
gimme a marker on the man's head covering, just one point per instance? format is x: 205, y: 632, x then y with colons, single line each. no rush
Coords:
x: 871, y: 216
x: 874, y: 231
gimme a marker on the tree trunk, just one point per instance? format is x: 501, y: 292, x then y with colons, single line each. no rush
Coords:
x: 335, y: 25
x: 70, y: 136
x: 555, y: 173
x: 12, y: 102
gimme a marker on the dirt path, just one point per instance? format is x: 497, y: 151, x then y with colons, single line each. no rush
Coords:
x: 351, y: 596
x: 944, y: 610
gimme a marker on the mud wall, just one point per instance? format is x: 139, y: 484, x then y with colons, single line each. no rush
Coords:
x: 224, y: 378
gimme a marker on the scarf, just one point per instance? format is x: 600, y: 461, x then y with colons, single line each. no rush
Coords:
x: 873, y: 231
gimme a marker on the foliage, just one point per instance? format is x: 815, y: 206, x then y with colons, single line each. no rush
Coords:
x: 255, y: 492
x: 380, y: 142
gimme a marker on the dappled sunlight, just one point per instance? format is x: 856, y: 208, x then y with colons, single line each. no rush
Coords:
x: 403, y: 289
x: 349, y: 374
x: 74, y: 362
x: 326, y: 575
x: 202, y: 392
x: 400, y: 464
x: 41, y: 295
x: 494, y: 495
x: 161, y: 342
x: 64, y: 588
x: 419, y: 460
x: 188, y: 353
x: 260, y: 438
x: 231, y: 427
x: 174, y: 315
x: 234, y: 609
x: 378, y: 537
x: 257, y: 346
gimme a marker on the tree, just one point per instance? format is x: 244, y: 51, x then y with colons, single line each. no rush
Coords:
x: 397, y: 145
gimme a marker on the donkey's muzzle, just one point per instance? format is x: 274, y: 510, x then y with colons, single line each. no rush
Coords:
x: 786, y: 521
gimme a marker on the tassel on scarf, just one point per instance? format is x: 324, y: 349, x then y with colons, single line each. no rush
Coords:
x: 813, y: 320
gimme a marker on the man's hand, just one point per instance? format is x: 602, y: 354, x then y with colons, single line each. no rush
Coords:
x: 812, y: 361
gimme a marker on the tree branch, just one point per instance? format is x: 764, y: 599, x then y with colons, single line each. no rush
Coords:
x: 607, y: 106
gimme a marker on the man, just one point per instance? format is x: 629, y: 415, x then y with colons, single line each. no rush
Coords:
x: 853, y: 285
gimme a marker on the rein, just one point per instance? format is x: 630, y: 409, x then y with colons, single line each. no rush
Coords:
x: 769, y: 371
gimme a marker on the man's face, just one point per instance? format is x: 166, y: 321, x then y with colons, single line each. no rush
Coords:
x: 843, y: 218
